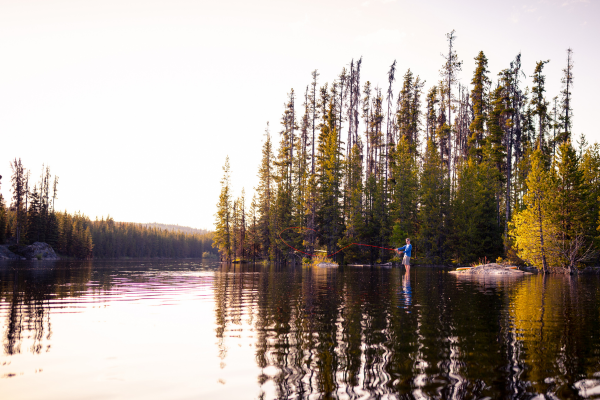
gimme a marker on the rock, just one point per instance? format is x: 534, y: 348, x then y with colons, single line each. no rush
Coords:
x: 327, y: 265
x: 490, y: 269
x: 38, y: 251
x: 6, y: 254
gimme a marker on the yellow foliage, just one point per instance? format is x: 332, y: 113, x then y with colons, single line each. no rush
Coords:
x: 321, y: 258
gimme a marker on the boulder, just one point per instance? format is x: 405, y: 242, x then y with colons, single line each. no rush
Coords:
x: 6, y: 254
x: 327, y: 265
x: 38, y: 251
x: 491, y: 269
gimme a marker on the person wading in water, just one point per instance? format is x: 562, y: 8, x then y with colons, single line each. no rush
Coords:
x: 407, y: 251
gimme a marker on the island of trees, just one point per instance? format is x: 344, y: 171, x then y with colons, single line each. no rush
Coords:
x: 482, y: 171
x: 31, y: 217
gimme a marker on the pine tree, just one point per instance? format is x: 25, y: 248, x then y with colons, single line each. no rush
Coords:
x: 538, y: 101
x: 354, y: 215
x: 590, y: 171
x: 19, y: 190
x: 533, y: 225
x: 409, y: 110
x: 448, y: 73
x: 265, y: 193
x: 431, y: 114
x: 34, y: 217
x: 494, y: 151
x: 476, y: 232
x: 404, y: 206
x: 569, y: 202
x: 253, y: 233
x: 433, y: 211
x: 329, y: 214
x: 222, y: 238
x: 565, y: 94
x: 479, y: 97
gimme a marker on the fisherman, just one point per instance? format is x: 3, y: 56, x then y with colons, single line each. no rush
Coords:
x: 407, y: 250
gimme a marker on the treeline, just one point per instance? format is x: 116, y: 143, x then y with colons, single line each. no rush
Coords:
x: 31, y: 217
x: 475, y: 171
x: 123, y: 239
x: 177, y: 228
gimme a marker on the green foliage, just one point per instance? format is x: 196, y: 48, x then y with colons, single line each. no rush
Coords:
x: 405, y: 194
x: 483, y: 187
x: 569, y: 196
x: 533, y: 225
x: 538, y: 101
x: 222, y: 239
x: 112, y: 239
x: 433, y: 211
x: 479, y: 97
x: 590, y: 172
x: 476, y: 232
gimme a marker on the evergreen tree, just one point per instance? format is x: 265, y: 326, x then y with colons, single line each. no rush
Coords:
x: 409, y: 111
x: 34, y: 217
x: 538, y: 101
x: 354, y: 223
x: 265, y: 195
x: 433, y: 210
x: 431, y: 114
x: 222, y: 239
x: 404, y: 206
x: 494, y: 151
x: 590, y: 172
x: 570, y: 200
x: 329, y: 214
x: 253, y: 232
x: 479, y: 97
x: 475, y: 230
x: 533, y: 225
x: 451, y: 68
x: 565, y: 94
x: 19, y: 203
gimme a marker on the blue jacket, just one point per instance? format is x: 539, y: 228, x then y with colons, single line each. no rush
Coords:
x: 407, y: 249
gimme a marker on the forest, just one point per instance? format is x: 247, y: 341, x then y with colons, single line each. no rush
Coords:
x: 482, y: 171
x: 31, y: 217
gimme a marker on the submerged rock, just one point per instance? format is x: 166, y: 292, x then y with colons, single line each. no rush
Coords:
x: 491, y: 269
x: 6, y: 254
x: 38, y: 251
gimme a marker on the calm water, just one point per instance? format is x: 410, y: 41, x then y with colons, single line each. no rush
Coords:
x: 185, y: 329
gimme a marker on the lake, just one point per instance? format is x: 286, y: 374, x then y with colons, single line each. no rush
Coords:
x: 181, y: 329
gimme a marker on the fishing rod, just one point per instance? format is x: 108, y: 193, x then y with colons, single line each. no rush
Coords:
x: 328, y: 255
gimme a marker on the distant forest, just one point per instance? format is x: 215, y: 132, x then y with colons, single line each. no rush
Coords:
x: 177, y: 228
x: 482, y: 170
x: 32, y: 217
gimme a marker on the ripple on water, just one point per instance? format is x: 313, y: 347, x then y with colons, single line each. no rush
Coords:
x: 289, y: 332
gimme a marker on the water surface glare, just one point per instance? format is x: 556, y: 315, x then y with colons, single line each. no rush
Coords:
x: 191, y: 329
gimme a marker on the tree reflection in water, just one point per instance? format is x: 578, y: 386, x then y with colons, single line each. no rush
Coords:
x: 29, y: 290
x: 353, y: 333
x: 349, y: 332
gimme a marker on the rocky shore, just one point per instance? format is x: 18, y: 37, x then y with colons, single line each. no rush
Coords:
x: 35, y: 251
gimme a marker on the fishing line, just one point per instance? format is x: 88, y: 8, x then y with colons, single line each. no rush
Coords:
x: 328, y: 255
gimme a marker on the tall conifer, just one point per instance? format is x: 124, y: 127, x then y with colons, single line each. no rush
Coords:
x: 222, y: 238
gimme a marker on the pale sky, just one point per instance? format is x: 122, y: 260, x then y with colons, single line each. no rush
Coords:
x: 135, y: 104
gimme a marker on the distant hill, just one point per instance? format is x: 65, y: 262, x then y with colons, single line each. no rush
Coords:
x: 177, y: 228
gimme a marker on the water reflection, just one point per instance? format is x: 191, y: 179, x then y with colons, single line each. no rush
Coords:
x: 337, y: 333
x: 354, y: 333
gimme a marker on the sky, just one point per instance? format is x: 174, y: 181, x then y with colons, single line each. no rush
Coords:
x: 136, y: 104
